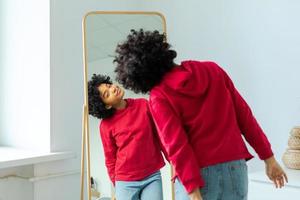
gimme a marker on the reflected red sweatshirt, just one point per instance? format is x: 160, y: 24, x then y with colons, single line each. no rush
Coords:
x: 130, y: 143
x: 201, y: 119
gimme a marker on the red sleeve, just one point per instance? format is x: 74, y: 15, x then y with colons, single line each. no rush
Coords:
x: 110, y: 150
x: 156, y: 136
x: 250, y: 128
x: 174, y: 139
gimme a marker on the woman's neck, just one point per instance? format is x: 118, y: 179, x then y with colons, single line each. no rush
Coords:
x: 121, y: 105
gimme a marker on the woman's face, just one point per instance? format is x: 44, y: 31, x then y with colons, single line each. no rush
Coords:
x: 110, y: 94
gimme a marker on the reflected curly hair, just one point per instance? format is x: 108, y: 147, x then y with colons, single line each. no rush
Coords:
x: 96, y: 105
x: 142, y: 60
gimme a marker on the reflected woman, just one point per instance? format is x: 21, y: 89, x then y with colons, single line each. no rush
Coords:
x: 200, y: 116
x: 129, y: 138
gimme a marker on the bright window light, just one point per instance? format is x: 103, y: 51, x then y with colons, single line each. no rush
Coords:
x: 25, y: 74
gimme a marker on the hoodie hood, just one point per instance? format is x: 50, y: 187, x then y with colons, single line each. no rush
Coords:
x: 189, y: 78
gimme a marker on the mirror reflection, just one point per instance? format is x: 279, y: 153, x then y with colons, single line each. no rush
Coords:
x: 103, y: 32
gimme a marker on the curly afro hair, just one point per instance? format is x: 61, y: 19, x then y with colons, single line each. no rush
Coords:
x: 96, y: 105
x: 142, y: 60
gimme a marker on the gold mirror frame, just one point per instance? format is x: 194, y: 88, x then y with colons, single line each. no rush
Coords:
x: 85, y: 146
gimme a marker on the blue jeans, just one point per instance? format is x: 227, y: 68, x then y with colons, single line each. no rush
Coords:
x: 225, y: 181
x: 149, y: 188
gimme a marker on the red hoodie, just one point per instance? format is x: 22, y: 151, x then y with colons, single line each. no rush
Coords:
x: 201, y: 119
x: 130, y: 143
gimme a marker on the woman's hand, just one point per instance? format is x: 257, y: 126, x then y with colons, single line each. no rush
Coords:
x: 195, y: 194
x: 275, y: 172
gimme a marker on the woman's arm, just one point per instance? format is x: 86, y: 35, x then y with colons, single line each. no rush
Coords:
x: 110, y: 152
x: 248, y: 125
x: 174, y: 139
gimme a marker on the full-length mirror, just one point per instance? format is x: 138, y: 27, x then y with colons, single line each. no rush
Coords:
x: 102, y: 32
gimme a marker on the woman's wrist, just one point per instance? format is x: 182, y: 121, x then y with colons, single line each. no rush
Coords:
x: 270, y: 160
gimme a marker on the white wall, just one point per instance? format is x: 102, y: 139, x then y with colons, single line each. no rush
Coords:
x: 14, y: 185
x: 16, y: 188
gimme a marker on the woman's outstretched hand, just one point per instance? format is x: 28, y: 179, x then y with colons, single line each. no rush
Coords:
x: 195, y: 194
x: 275, y: 172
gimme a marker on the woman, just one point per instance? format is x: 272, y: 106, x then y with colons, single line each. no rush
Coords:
x: 200, y: 116
x: 132, y: 153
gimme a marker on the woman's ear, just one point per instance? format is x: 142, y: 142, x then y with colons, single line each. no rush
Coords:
x: 108, y: 107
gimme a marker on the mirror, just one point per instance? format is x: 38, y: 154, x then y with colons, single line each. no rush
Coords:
x: 102, y: 31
